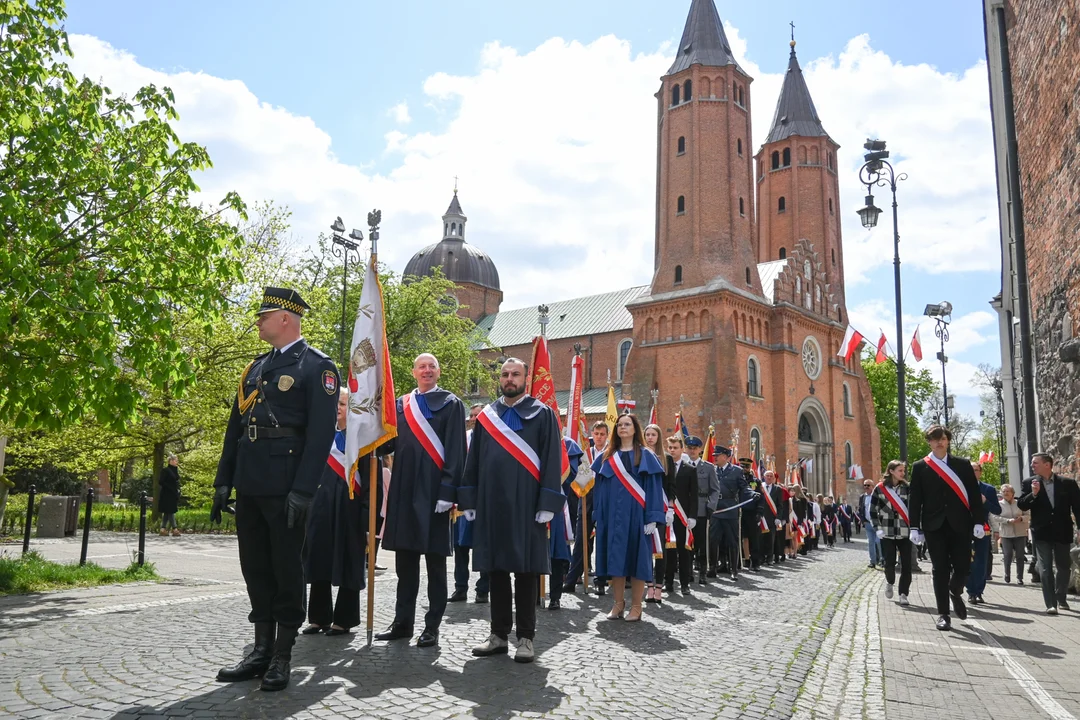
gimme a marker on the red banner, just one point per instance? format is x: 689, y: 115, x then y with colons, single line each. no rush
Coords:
x: 542, y: 387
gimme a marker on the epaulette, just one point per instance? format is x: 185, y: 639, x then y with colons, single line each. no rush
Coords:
x: 318, y: 352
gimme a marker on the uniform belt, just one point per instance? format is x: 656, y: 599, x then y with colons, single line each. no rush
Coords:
x: 267, y: 432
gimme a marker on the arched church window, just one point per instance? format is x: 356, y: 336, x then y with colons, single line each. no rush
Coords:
x: 806, y: 270
x: 741, y: 102
x: 738, y: 146
x: 753, y: 388
x: 681, y: 145
x: 781, y: 204
x: 678, y: 274
x: 830, y: 206
x: 624, y: 353
x: 849, y: 458
x: 834, y: 257
x: 787, y: 157
x: 748, y: 277
x: 675, y: 94
x: 687, y: 91
x: 680, y: 205
x: 453, y: 229
x: 806, y: 433
x: 742, y: 208
x: 783, y: 253
x: 847, y: 400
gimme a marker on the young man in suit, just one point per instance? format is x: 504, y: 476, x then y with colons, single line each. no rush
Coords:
x: 1051, y: 498
x: 946, y: 508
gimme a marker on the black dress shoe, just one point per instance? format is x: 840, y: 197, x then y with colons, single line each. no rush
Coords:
x: 974, y: 600
x: 458, y: 596
x: 277, y: 675
x: 554, y: 604
x: 428, y: 638
x: 711, y: 573
x: 601, y: 590
x: 944, y: 623
x: 686, y: 590
x: 701, y: 580
x: 394, y: 632
x: 959, y: 607
x: 570, y: 588
x: 332, y: 631
x: 481, y: 597
x: 669, y: 589
x: 312, y: 630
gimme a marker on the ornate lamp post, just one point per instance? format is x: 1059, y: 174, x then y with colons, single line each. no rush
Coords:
x: 347, y: 249
x: 942, y: 314
x: 878, y: 171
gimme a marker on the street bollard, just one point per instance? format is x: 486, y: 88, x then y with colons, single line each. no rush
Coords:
x: 29, y: 519
x: 86, y: 525
x: 142, y: 528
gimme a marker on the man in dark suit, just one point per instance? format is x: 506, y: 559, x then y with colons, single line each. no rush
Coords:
x: 1051, y: 498
x: 946, y: 508
x: 279, y: 433
x: 776, y: 542
x: 684, y: 491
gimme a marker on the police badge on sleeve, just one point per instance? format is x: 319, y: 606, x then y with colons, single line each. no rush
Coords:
x: 329, y: 382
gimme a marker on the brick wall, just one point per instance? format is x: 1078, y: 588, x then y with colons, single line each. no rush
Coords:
x: 1044, y: 42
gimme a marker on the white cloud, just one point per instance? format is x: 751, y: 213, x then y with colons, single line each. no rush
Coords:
x: 400, y: 113
x: 555, y: 149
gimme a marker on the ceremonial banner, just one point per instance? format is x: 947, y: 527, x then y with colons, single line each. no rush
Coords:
x: 710, y: 445
x: 574, y: 416
x: 612, y: 415
x: 372, y: 418
x: 542, y: 387
x: 652, y: 416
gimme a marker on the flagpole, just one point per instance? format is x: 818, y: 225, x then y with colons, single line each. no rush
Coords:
x: 543, y: 319
x: 374, y: 218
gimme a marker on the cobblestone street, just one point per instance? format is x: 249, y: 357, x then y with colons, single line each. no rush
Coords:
x: 806, y: 640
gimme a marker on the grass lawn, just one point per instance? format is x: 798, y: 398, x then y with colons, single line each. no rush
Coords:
x: 32, y: 573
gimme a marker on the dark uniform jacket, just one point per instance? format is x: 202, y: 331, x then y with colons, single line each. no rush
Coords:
x: 416, y: 483
x: 1052, y: 523
x: 297, y: 399
x: 733, y: 489
x: 708, y: 489
x: 685, y: 488
x: 934, y: 503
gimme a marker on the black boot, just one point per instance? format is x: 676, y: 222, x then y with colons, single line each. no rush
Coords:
x: 255, y: 662
x: 277, y: 675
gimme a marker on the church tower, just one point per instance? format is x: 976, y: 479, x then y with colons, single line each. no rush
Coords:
x: 705, y: 227
x: 798, y: 192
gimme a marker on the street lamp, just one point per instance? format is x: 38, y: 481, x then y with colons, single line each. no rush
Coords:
x: 1000, y: 424
x: 942, y: 314
x: 346, y: 249
x: 878, y: 171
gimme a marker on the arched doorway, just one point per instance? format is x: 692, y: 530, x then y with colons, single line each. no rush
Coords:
x: 815, y: 443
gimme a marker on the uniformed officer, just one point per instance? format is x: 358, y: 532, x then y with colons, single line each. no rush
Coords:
x: 276, y: 443
x: 724, y: 527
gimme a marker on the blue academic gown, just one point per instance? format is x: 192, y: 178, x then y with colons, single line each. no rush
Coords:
x: 622, y: 547
x: 560, y: 549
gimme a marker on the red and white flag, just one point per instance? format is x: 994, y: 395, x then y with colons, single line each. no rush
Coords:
x: 852, y: 338
x: 372, y: 418
x: 986, y: 457
x: 916, y: 346
x: 881, y: 356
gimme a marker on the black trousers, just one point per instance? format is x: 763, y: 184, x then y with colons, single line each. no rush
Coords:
x: 950, y: 555
x: 682, y: 559
x: 407, y: 566
x: 526, y: 587
x: 322, y: 610
x: 890, y: 547
x: 271, y: 559
x: 779, y: 543
x: 754, y: 535
x: 703, y: 557
x: 558, y: 577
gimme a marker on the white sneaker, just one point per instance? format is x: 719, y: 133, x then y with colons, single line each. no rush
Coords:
x: 524, y: 652
x: 903, y: 601
x: 1051, y: 611
x: 494, y: 645
x: 888, y: 590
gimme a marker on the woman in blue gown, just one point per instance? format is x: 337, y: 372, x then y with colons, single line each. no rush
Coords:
x: 629, y: 504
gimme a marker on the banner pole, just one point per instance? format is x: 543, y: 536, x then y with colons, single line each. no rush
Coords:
x: 372, y: 500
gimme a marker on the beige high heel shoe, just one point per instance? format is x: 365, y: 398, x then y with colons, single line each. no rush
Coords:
x: 635, y: 614
x: 617, y: 611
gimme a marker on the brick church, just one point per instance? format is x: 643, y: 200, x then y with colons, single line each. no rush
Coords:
x: 742, y: 321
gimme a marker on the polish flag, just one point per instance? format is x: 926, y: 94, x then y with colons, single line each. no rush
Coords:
x: 852, y: 338
x: 880, y: 357
x: 916, y: 346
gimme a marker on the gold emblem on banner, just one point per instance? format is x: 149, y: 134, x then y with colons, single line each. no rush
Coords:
x: 285, y: 382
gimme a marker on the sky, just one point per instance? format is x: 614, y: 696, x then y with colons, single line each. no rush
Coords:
x: 545, y: 114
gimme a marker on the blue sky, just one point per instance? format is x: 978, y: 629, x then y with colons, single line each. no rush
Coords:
x: 309, y: 97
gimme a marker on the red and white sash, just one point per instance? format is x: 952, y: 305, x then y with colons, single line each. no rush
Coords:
x: 683, y: 518
x: 769, y: 500
x: 423, y: 431
x: 896, y: 501
x: 628, y: 481
x: 511, y: 442
x: 950, y: 477
x: 844, y: 512
x: 792, y: 517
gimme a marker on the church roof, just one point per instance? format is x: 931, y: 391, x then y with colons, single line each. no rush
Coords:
x: 455, y: 207
x: 795, y: 111
x: 460, y: 262
x: 767, y: 273
x: 703, y: 40
x: 578, y: 317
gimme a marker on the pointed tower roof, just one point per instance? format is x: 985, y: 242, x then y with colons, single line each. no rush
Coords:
x: 795, y: 112
x: 703, y: 40
x: 455, y: 206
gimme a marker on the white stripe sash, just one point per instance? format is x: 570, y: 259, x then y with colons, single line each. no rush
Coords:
x: 423, y: 431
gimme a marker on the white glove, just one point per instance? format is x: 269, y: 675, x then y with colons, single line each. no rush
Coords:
x: 916, y: 536
x: 779, y: 524
x: 470, y: 515
x: 691, y: 523
x: 881, y: 534
x: 980, y: 532
x: 670, y: 517
x: 649, y: 528
x: 544, y: 516
x: 443, y: 506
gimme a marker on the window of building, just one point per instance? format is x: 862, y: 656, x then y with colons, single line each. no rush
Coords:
x: 849, y: 455
x: 678, y: 274
x: 755, y: 444
x: 742, y: 207
x: 446, y: 229
x: 787, y: 157
x: 775, y: 160
x: 748, y: 283
x: 738, y: 146
x: 624, y: 353
x: 753, y: 389
x: 687, y: 91
x: 680, y: 205
x: 830, y: 206
x: 847, y: 401
x: 781, y: 205
x: 806, y: 433
x: 681, y: 145
x: 833, y: 251
x: 783, y: 253
x: 453, y: 229
x: 675, y: 91
x: 741, y: 98
x: 830, y: 160
x: 735, y: 91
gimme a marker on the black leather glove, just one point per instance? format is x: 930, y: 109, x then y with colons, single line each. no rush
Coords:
x: 221, y: 503
x: 296, y: 509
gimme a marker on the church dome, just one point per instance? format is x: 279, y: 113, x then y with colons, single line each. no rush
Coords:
x: 460, y: 262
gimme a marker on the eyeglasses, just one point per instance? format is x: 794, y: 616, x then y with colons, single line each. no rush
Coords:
x: 867, y: 485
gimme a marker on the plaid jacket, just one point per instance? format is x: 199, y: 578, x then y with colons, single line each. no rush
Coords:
x: 885, y: 517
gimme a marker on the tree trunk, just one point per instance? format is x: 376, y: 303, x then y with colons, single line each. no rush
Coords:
x: 158, y: 461
x: 4, y: 486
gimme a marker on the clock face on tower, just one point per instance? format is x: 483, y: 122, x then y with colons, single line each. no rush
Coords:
x: 811, y: 358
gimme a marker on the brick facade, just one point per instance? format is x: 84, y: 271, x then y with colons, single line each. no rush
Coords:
x: 1044, y: 42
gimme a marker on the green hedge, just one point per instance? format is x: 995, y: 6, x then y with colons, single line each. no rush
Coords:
x: 121, y: 518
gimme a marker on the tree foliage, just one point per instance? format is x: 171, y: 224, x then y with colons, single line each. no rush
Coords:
x: 919, y: 389
x: 104, y: 250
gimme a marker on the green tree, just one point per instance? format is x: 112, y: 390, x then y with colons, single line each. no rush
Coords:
x: 919, y: 388
x: 103, y: 247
